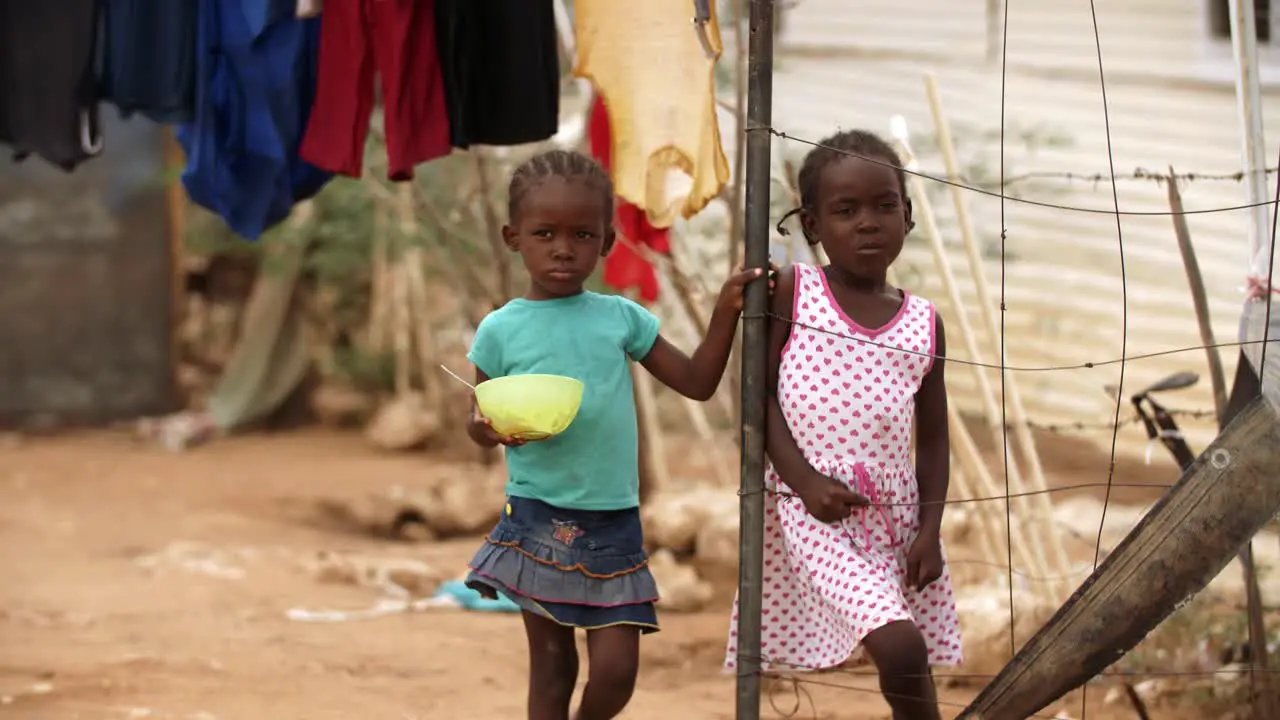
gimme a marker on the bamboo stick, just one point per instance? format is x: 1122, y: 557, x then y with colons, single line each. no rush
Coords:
x: 708, y: 441
x: 653, y: 450
x: 1024, y: 440
x: 476, y: 289
x: 699, y: 419
x: 687, y: 294
x: 1014, y: 539
x: 1253, y: 592
x: 987, y: 533
x: 402, y: 347
x: 687, y: 297
x: 379, y: 300
x: 924, y: 211
x: 1199, y: 301
x: 417, y: 306
x: 493, y: 228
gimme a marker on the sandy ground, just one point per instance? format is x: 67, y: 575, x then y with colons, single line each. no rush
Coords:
x: 96, y: 621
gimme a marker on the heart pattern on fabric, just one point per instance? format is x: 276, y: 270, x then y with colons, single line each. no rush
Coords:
x: 848, y: 396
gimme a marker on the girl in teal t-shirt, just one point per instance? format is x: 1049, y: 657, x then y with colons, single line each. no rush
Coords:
x: 569, y: 549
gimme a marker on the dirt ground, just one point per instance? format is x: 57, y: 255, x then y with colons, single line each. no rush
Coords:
x: 97, y: 621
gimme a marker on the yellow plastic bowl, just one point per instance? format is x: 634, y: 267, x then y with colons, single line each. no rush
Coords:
x: 530, y: 407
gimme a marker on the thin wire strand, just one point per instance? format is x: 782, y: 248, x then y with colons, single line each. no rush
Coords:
x: 1112, y: 176
x: 1087, y: 365
x: 1124, y: 313
x: 1080, y: 426
x: 990, y: 498
x: 1137, y: 174
x: 1000, y: 195
x: 860, y: 670
x: 1267, y: 296
x: 898, y: 696
x: 1004, y: 394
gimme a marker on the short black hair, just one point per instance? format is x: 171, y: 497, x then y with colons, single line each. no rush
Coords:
x: 564, y: 164
x: 858, y: 143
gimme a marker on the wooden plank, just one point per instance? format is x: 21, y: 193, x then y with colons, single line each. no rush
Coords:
x: 1231, y: 491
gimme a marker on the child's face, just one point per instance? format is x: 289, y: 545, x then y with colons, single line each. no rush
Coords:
x: 561, y: 231
x: 861, y: 217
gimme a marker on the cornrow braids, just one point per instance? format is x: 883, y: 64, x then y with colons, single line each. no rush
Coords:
x: 564, y: 164
x: 859, y: 143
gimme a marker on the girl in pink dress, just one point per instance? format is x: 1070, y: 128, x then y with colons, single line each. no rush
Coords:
x: 854, y: 565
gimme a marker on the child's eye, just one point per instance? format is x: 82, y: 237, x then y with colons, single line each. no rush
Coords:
x: 542, y: 233
x: 585, y: 235
x: 889, y: 205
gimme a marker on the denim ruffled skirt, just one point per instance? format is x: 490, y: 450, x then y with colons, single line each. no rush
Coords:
x: 581, y: 568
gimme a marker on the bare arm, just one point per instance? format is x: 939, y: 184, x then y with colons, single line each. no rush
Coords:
x: 479, y: 430
x: 787, y: 458
x: 933, y: 439
x: 697, y: 376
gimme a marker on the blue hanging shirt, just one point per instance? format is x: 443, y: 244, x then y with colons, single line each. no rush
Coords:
x: 256, y: 74
x: 148, y: 62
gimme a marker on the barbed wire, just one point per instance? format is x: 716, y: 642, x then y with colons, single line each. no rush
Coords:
x: 1065, y: 428
x: 987, y: 498
x: 1086, y: 365
x: 1112, y: 177
x: 1138, y: 174
x: 784, y: 677
x: 996, y: 194
x: 801, y: 694
x: 862, y: 669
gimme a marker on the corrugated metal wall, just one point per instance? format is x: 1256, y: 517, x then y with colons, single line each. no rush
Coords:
x: 838, y: 68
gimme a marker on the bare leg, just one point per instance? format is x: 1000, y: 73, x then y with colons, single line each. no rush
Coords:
x: 902, y: 658
x: 614, y: 654
x: 553, y: 667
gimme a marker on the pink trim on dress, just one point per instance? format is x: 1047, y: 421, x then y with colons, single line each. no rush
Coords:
x: 902, y: 310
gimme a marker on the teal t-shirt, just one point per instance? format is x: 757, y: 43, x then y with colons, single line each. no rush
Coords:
x: 593, y: 465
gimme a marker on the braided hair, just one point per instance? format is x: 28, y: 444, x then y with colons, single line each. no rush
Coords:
x: 857, y: 143
x: 563, y: 164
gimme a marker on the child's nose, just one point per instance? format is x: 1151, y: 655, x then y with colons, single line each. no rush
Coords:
x: 562, y: 248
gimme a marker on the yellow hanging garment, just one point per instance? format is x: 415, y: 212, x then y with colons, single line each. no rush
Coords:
x: 644, y: 57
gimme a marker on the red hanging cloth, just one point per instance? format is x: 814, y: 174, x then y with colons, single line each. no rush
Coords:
x: 626, y: 267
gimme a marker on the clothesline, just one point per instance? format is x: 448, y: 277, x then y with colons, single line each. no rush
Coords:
x: 271, y: 99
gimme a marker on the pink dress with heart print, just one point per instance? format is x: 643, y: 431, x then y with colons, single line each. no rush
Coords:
x: 851, y: 407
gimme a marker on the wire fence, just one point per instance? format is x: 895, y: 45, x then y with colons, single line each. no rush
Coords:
x: 795, y: 679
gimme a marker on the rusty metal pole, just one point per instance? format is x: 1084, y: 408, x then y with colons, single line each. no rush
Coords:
x: 755, y: 339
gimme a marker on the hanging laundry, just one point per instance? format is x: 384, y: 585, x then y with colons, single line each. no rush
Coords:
x: 48, y: 103
x: 627, y: 267
x: 255, y: 85
x: 645, y: 58
x: 309, y: 8
x: 396, y: 40
x: 149, y: 58
x: 501, y: 67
